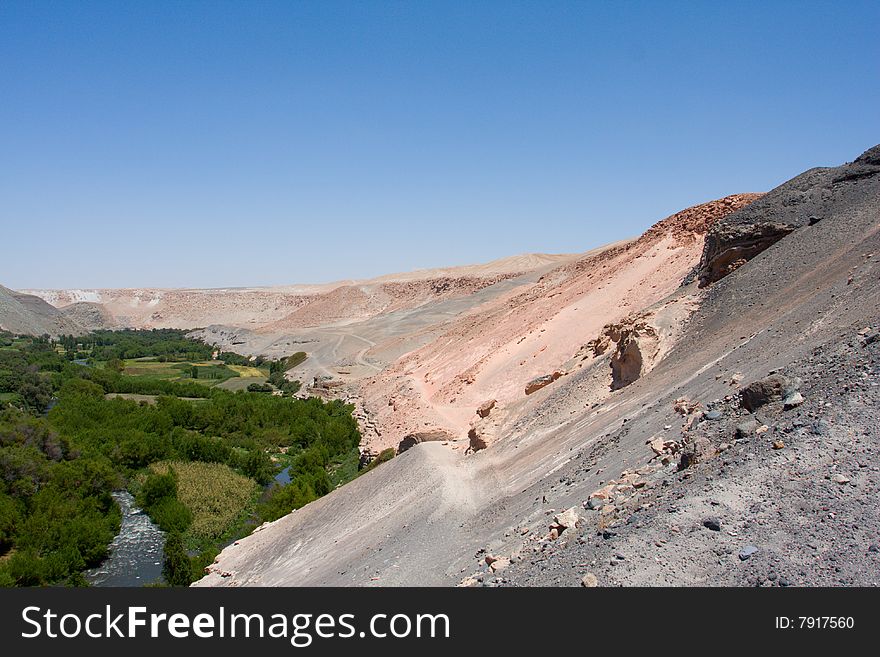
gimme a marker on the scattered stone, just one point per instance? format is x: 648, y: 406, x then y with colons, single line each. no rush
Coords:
x: 840, y: 479
x: 712, y: 523
x: 792, y: 400
x: 747, y: 552
x: 634, y: 519
x: 747, y: 428
x: 762, y: 429
x: 684, y: 406
x: 778, y: 444
x: 603, y: 493
x: 589, y: 581
x: 713, y: 415
x: 820, y: 427
x: 656, y: 445
x: 595, y: 503
x: 499, y: 564
x: 662, y: 447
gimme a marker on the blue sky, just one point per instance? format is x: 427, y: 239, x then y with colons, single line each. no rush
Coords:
x: 214, y: 144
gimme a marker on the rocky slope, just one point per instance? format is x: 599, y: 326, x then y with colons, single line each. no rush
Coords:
x: 641, y: 452
x: 497, y: 348
x: 25, y: 313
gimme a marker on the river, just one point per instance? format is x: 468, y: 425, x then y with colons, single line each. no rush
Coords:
x: 136, y: 553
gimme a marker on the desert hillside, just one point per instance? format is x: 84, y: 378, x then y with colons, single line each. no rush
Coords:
x: 556, y: 425
x: 26, y: 313
x: 274, y: 309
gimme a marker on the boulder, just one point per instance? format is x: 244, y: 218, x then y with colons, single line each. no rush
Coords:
x: 485, y: 408
x: 541, y: 382
x: 568, y: 519
x: 773, y: 388
x: 747, y: 428
x: 747, y: 552
x: 696, y: 451
x: 712, y: 523
x: 657, y: 445
x: 792, y: 400
x: 499, y: 564
x: 476, y: 441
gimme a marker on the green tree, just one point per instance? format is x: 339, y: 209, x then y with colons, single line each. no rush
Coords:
x: 116, y: 365
x: 177, y: 568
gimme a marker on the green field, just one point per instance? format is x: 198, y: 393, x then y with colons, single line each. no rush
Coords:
x: 218, y: 497
x: 250, y: 372
x: 240, y: 383
x: 150, y: 399
x: 208, y: 373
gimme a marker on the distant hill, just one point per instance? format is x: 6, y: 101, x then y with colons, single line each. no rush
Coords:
x: 25, y: 313
x: 90, y: 316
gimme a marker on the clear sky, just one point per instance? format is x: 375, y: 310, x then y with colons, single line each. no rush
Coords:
x: 215, y: 144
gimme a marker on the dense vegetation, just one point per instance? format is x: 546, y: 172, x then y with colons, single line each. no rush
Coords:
x: 193, y: 455
x: 165, y: 344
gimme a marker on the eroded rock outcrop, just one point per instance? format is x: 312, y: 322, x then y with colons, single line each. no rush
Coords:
x: 429, y: 435
x: 727, y: 250
x: 801, y: 202
x: 484, y: 430
x: 476, y: 442
x: 636, y: 350
x: 541, y: 382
